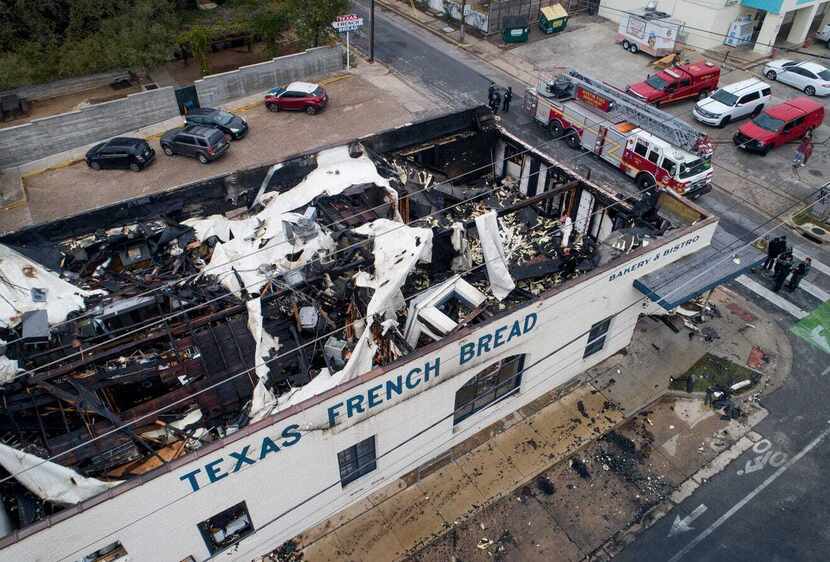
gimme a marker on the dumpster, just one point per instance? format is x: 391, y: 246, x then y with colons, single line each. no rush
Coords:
x: 553, y: 19
x: 516, y: 29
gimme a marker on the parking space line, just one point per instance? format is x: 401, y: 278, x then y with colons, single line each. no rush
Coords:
x: 772, y: 297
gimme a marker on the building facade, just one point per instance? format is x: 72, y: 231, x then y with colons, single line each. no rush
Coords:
x: 710, y: 23
x: 244, y: 494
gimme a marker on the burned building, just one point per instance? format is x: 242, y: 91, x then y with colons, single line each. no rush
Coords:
x: 289, y: 335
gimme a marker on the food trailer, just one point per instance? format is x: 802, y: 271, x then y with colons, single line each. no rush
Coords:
x: 649, y: 31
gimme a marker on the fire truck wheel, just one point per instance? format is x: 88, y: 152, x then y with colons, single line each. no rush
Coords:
x: 724, y: 122
x: 644, y: 181
x: 634, y: 48
x: 555, y: 128
x: 626, y: 44
x: 572, y: 139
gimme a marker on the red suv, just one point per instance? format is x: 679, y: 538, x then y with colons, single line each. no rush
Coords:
x: 677, y: 83
x: 297, y: 96
x: 780, y: 124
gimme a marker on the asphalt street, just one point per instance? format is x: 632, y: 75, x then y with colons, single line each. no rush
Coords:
x: 771, y: 504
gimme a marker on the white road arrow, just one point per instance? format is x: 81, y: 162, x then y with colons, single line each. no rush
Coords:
x: 684, y: 525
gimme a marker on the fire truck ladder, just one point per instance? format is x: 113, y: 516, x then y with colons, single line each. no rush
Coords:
x: 662, y: 124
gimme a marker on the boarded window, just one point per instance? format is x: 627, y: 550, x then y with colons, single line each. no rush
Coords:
x: 226, y: 528
x: 356, y: 461
x: 596, y: 337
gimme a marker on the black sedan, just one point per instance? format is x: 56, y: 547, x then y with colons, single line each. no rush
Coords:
x: 120, y: 153
x: 227, y: 122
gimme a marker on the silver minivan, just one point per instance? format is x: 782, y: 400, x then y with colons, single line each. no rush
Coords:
x: 730, y: 103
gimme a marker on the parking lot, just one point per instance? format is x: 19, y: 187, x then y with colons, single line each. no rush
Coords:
x: 767, y: 183
x: 368, y: 100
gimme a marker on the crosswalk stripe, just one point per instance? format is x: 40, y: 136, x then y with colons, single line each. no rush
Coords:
x: 817, y: 292
x: 772, y: 297
x: 817, y: 265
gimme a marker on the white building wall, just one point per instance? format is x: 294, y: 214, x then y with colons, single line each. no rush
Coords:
x: 706, y: 21
x: 157, y: 520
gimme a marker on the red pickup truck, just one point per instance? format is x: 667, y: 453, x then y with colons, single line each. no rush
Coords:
x: 696, y: 79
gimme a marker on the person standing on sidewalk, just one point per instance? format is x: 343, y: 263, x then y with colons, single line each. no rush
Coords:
x: 774, y: 249
x: 508, y: 95
x: 490, y: 92
x: 799, y: 273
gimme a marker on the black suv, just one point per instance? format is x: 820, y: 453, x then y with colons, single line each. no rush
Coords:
x: 205, y: 143
x: 226, y: 122
x: 121, y: 153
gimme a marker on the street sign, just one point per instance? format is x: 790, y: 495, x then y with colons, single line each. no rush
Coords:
x: 344, y: 24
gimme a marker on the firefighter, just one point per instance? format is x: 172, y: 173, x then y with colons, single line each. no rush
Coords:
x: 799, y: 273
x: 774, y: 249
x: 496, y: 102
x: 508, y: 95
x: 783, y: 267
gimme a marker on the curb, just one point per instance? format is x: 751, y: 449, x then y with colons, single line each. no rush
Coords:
x: 623, y: 538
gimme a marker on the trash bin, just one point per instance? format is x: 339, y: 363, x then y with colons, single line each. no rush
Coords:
x: 553, y: 19
x: 515, y: 29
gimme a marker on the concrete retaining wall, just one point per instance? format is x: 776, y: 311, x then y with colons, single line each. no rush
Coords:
x: 66, y: 87
x: 50, y: 135
x: 248, y: 80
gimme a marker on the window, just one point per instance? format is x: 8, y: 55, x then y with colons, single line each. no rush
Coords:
x: 356, y: 461
x: 750, y: 97
x: 641, y: 148
x: 669, y: 165
x: 488, y: 386
x: 653, y: 156
x: 596, y: 337
x: 114, y: 552
x: 766, y: 92
x: 226, y: 528
x: 202, y: 142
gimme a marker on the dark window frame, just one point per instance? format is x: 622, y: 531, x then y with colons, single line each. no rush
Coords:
x: 357, y: 461
x: 640, y: 144
x: 223, y: 518
x: 597, y: 337
x: 488, y: 386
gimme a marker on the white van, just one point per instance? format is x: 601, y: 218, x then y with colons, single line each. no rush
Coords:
x: 730, y: 103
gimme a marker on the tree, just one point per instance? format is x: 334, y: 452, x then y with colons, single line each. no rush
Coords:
x: 270, y: 22
x: 313, y: 19
x: 198, y: 41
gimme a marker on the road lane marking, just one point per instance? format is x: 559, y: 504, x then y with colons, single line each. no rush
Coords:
x: 817, y: 292
x: 684, y: 525
x: 772, y: 297
x: 749, y: 497
x: 816, y: 264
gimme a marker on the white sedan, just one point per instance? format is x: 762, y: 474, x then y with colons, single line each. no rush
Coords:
x: 809, y: 77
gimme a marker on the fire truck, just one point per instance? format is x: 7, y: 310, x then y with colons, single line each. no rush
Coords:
x: 649, y: 145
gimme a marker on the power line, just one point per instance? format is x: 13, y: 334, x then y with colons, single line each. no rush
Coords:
x: 728, y: 251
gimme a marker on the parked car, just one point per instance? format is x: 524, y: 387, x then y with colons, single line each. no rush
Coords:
x: 197, y: 141
x: 732, y: 102
x: 809, y: 77
x: 120, y: 153
x: 677, y: 83
x: 297, y: 96
x: 780, y: 124
x: 225, y: 121
x: 824, y: 35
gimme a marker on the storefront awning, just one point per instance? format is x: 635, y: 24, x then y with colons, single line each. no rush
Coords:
x: 724, y: 259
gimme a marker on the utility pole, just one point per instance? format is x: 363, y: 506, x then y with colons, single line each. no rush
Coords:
x: 463, y: 6
x: 372, y: 31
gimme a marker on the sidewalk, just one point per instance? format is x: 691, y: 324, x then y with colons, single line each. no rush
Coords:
x: 484, y: 487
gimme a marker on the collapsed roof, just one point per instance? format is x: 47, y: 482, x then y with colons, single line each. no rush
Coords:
x: 134, y: 335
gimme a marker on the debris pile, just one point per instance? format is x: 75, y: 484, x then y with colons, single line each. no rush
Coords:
x: 135, y: 342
